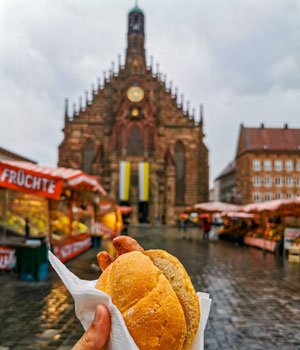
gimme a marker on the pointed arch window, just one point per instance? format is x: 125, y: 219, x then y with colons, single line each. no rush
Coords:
x: 151, y: 141
x: 179, y: 158
x: 88, y: 155
x: 135, y: 142
x: 100, y: 155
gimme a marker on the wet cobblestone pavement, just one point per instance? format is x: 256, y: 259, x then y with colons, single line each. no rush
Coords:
x: 256, y: 297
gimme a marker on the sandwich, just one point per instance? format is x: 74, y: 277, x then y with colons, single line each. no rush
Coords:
x: 154, y: 294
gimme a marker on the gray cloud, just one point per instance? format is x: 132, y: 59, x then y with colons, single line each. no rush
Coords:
x: 240, y: 58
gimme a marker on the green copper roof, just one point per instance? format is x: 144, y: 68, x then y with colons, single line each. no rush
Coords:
x: 136, y: 9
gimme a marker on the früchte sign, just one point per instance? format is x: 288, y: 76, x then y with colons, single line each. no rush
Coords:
x: 30, y: 182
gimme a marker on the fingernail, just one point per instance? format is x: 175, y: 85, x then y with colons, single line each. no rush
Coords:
x: 98, y: 314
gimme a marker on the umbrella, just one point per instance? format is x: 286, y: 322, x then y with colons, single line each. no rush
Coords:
x: 124, y: 209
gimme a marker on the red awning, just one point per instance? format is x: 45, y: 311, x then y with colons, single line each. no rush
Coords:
x: 238, y: 214
x: 273, y: 206
x: 44, y: 181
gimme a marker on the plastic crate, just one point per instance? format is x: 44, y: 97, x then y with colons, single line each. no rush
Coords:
x: 43, y: 272
x: 96, y: 240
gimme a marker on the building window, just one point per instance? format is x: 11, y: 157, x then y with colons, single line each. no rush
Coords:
x: 101, y: 153
x: 289, y: 195
x: 268, y: 181
x: 267, y: 165
x: 278, y: 181
x: 288, y: 181
x: 256, y: 197
x: 298, y: 181
x: 298, y: 165
x: 151, y: 142
x: 135, y: 142
x: 268, y: 196
x: 278, y: 165
x: 277, y: 195
x: 256, y: 181
x: 179, y: 158
x: 289, y: 165
x: 88, y: 156
x: 256, y: 165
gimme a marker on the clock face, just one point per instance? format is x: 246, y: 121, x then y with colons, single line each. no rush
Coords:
x: 135, y: 94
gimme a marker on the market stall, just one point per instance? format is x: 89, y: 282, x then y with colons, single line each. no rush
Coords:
x: 274, y: 232
x: 38, y: 202
x: 235, y: 226
x: 273, y: 226
x: 209, y: 212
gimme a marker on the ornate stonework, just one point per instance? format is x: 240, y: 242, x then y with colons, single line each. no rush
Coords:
x: 133, y: 116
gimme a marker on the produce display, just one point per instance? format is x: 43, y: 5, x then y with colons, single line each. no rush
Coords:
x: 272, y: 232
x: 79, y: 227
x: 236, y: 227
x: 113, y: 220
x: 60, y: 223
x: 20, y: 206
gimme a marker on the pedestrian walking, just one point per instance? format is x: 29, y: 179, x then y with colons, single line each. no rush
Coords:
x: 206, y: 227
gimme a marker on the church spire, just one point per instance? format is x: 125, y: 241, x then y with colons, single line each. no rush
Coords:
x: 135, y: 54
x: 66, y: 110
x: 201, y: 114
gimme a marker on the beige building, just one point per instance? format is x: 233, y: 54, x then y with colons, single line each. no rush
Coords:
x: 227, y: 185
x: 134, y: 116
x: 268, y: 164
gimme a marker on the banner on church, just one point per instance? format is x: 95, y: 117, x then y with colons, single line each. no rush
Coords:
x: 144, y: 181
x: 124, y: 180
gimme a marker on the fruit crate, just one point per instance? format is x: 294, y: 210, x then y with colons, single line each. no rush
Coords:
x: 294, y: 254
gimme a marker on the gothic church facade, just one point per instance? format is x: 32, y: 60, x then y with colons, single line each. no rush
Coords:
x: 133, y: 118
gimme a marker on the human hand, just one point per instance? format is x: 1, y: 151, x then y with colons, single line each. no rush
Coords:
x: 97, y: 335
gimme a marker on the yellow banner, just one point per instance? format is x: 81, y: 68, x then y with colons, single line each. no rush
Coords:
x: 144, y: 170
x: 124, y: 180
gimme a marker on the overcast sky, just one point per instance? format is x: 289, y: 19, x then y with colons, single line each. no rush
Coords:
x: 240, y: 58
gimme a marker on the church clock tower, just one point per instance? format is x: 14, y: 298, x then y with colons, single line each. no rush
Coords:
x: 135, y: 53
x: 135, y: 120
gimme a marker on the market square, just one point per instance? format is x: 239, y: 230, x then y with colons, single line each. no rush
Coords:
x: 189, y: 216
x: 241, y: 317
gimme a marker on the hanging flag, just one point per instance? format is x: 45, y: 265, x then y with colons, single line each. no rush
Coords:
x: 144, y: 181
x: 124, y: 180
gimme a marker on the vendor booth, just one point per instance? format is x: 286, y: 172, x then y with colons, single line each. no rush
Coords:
x: 42, y: 205
x: 209, y: 212
x: 279, y: 224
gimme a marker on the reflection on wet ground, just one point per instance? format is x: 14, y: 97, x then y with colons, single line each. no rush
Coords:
x: 256, y: 296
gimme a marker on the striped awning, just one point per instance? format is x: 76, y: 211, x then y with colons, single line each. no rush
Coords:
x: 28, y: 176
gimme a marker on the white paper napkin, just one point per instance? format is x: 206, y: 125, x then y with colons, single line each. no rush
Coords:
x: 87, y: 297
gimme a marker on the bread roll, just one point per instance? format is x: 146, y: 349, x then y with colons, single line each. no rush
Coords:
x: 183, y: 287
x: 155, y: 295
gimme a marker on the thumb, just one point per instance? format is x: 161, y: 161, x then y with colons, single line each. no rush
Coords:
x: 97, y: 335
